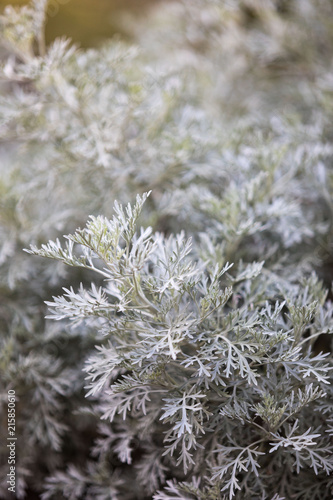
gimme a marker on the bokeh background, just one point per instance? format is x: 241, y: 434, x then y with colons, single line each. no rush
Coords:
x: 89, y: 22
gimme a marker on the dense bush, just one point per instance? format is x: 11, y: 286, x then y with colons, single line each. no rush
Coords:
x: 197, y: 365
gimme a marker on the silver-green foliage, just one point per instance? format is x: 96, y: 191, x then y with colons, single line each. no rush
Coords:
x: 213, y: 375
x: 202, y: 369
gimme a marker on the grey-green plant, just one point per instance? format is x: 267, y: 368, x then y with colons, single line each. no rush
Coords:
x: 197, y: 363
x: 204, y: 371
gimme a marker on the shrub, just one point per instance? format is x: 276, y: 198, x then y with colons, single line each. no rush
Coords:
x: 198, y: 363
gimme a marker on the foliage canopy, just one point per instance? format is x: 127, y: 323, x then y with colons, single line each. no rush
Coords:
x: 191, y: 356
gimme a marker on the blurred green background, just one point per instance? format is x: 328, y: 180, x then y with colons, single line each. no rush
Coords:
x: 87, y: 22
